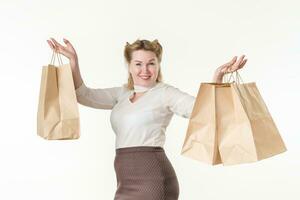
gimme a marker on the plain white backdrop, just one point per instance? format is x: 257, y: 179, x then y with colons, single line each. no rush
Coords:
x: 197, y: 37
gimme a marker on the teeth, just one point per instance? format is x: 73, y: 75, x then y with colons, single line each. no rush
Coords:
x: 145, y: 77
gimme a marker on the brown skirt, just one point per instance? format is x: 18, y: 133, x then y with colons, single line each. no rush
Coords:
x: 144, y: 173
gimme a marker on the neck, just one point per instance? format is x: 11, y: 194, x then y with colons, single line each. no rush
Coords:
x: 140, y: 88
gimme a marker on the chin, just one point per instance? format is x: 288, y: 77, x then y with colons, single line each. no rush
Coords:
x: 146, y: 83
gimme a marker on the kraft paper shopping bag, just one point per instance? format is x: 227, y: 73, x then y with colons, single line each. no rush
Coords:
x: 58, y: 115
x: 201, y: 136
x: 251, y: 135
x: 244, y: 129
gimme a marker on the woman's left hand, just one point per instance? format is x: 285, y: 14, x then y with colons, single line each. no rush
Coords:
x: 231, y: 66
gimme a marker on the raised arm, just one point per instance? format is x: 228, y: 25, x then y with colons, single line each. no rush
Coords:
x: 101, y: 98
x: 179, y: 102
x: 182, y: 103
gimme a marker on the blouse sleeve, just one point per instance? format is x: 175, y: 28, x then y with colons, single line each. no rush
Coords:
x: 100, y: 98
x: 179, y: 102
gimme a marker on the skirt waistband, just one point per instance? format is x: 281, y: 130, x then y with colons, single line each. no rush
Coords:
x: 139, y: 149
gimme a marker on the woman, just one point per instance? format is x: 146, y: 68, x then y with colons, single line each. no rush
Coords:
x: 141, y: 112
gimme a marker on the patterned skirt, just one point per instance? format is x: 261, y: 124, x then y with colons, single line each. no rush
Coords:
x: 144, y: 173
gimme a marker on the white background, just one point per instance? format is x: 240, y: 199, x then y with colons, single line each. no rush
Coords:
x: 197, y: 37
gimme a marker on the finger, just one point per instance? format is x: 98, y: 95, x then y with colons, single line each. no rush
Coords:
x: 57, y: 43
x: 237, y: 64
x: 231, y: 64
x: 242, y: 64
x: 225, y: 67
x: 233, y: 60
x: 68, y: 43
x: 51, y: 44
x: 241, y: 59
x: 233, y: 67
x: 230, y: 69
x: 60, y: 48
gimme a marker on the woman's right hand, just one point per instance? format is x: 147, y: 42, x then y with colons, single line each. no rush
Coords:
x: 67, y: 50
x: 70, y: 53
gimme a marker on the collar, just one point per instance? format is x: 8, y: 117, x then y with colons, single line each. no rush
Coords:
x: 139, y: 88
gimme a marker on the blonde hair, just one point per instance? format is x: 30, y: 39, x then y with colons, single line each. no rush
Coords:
x: 147, y: 45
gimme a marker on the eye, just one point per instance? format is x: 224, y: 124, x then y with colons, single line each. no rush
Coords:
x: 152, y: 63
x: 138, y: 64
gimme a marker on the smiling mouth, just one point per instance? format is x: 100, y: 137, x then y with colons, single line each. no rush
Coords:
x: 145, y: 77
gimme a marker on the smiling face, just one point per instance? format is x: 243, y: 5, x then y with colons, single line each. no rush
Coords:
x: 144, y: 68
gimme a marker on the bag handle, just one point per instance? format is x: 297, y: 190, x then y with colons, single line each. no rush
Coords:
x: 56, y: 55
x: 236, y: 78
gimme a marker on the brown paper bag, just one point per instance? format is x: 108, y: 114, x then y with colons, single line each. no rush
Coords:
x: 57, y: 116
x: 231, y: 124
x: 201, y: 136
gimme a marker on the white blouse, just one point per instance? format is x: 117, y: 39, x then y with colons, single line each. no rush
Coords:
x: 144, y: 122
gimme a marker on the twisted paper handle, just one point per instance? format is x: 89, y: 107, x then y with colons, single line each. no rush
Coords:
x: 236, y: 78
x: 56, y: 55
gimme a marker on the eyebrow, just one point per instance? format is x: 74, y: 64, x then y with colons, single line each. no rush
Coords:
x: 141, y: 61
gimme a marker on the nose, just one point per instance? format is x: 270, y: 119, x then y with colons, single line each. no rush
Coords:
x: 145, y: 68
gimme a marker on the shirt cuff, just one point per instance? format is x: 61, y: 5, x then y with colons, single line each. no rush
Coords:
x: 81, y: 89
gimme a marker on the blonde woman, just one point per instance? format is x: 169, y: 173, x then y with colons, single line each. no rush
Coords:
x: 141, y: 110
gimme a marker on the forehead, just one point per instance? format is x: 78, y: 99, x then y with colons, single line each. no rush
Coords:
x: 143, y: 55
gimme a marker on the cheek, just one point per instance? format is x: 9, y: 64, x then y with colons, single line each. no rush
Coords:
x: 154, y: 71
x: 134, y: 70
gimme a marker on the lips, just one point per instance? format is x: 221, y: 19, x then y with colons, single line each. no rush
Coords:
x: 145, y: 77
